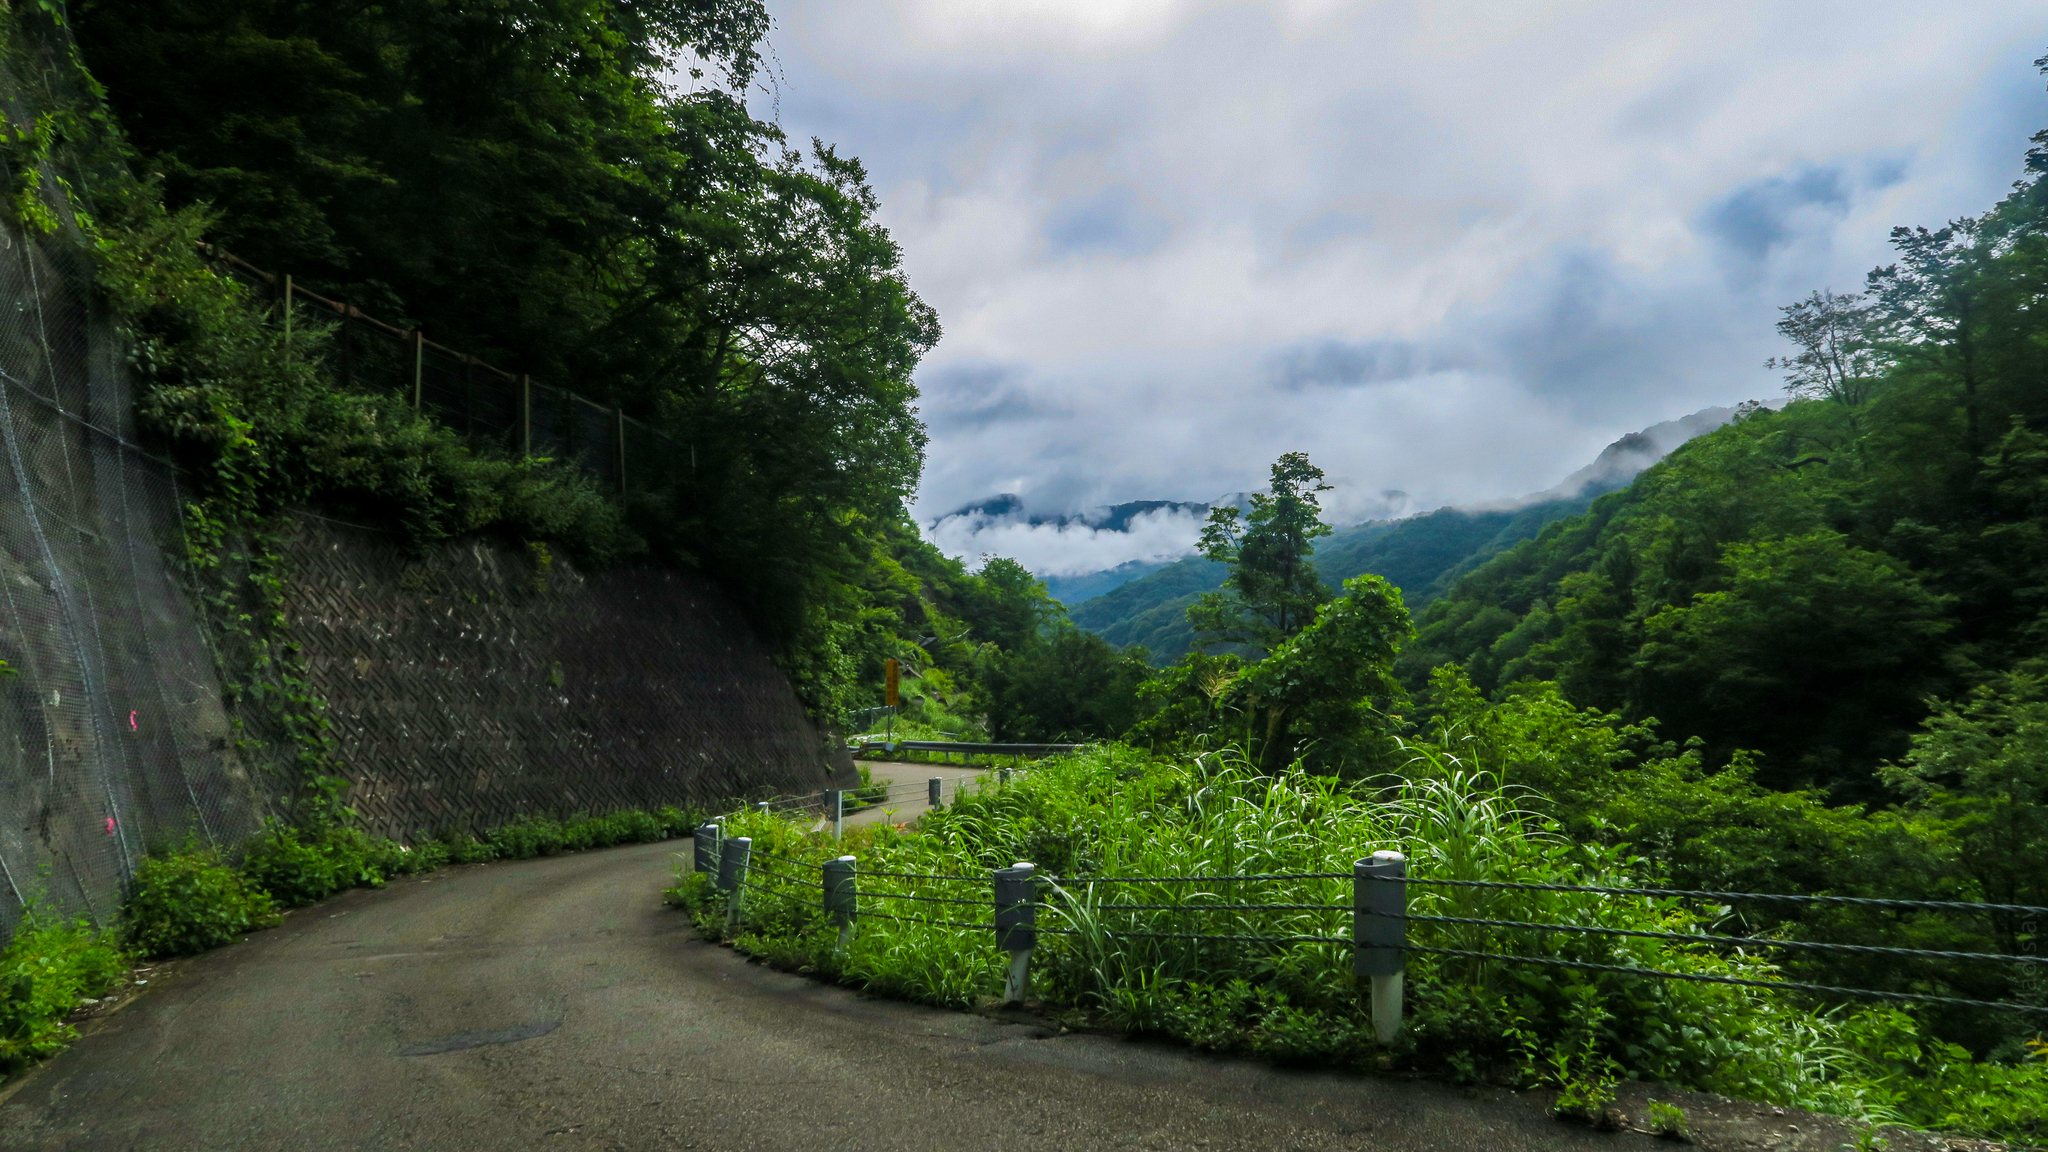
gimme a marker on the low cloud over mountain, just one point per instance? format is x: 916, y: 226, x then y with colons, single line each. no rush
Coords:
x: 1135, y: 537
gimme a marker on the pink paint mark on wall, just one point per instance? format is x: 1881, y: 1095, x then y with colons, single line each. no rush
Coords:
x: 110, y: 825
x: 131, y: 721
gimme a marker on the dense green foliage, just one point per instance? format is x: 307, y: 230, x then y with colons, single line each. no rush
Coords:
x: 1116, y: 812
x: 1326, y: 696
x: 191, y: 901
x: 49, y: 965
x: 1064, y: 685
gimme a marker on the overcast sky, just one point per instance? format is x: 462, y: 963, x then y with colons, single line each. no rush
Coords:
x: 1446, y: 249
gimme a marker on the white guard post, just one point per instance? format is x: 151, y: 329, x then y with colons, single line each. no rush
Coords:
x: 1017, y: 925
x: 1379, y: 932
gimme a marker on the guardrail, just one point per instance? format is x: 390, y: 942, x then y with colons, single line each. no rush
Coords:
x: 966, y: 750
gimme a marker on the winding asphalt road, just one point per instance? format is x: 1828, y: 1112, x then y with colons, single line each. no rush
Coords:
x: 555, y: 1004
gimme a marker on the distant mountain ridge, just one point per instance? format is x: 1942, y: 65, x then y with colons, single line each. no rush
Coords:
x: 1113, y: 518
x: 1089, y: 585
x: 1423, y: 555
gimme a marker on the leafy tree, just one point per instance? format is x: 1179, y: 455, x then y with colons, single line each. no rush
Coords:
x: 1272, y: 590
x: 1978, y: 770
x: 1068, y: 685
x: 1931, y: 308
x: 1188, y: 701
x: 1328, y: 695
x: 1007, y: 606
x: 1835, y: 360
x: 1763, y: 660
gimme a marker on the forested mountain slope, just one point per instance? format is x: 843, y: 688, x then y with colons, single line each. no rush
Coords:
x: 1422, y: 555
x: 1802, y: 582
x: 1418, y: 555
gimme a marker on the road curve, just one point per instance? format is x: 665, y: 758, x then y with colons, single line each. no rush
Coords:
x: 555, y: 1004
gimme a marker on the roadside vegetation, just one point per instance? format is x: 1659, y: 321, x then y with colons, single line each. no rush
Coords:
x: 1119, y: 811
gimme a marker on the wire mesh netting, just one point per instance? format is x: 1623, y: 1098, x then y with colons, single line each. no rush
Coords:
x: 113, y: 736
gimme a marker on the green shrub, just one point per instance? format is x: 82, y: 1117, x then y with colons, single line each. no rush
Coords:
x: 301, y: 866
x: 463, y: 848
x: 638, y: 827
x: 190, y: 901
x: 394, y: 859
x: 48, y: 967
x: 869, y: 793
x: 1930, y: 1082
x: 1668, y: 1121
x: 581, y: 832
x: 527, y: 837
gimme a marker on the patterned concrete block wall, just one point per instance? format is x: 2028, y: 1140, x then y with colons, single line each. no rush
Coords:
x: 481, y: 682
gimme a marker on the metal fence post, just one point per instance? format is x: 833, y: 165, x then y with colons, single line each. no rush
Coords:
x: 525, y: 429
x: 936, y: 790
x: 1016, y: 893
x: 1379, y: 933
x: 704, y: 850
x: 419, y: 365
x: 732, y: 875
x: 841, y: 899
x: 1002, y: 775
x: 762, y: 807
x: 619, y: 447
x: 348, y: 358
x: 838, y: 812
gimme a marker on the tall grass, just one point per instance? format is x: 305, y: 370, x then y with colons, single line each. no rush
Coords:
x: 1115, y: 813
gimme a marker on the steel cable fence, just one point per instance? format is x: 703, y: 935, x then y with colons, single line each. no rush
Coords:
x: 495, y: 411
x: 1377, y: 931
x: 1067, y: 897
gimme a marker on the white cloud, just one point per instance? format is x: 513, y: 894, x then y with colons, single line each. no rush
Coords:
x: 1068, y: 549
x: 1506, y: 233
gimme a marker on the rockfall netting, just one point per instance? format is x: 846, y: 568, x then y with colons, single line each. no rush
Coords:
x: 113, y: 736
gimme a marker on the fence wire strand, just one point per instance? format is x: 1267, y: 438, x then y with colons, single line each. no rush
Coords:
x: 1742, y: 941
x: 1708, y: 978
x: 1699, y: 894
